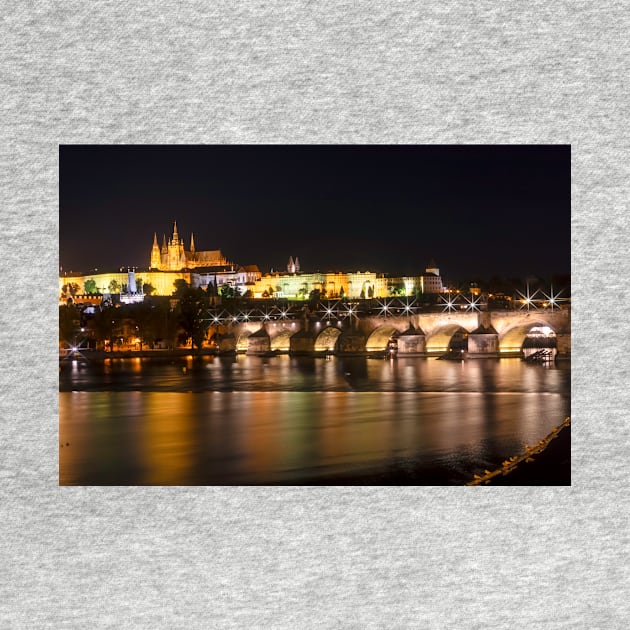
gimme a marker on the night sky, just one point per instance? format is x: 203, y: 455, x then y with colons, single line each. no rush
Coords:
x: 478, y: 211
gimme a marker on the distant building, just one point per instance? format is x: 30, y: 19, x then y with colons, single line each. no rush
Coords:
x: 204, y: 269
x: 431, y: 281
x: 351, y: 285
x: 172, y: 256
x: 294, y: 265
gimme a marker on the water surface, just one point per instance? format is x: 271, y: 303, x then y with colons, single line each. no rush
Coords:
x: 290, y: 420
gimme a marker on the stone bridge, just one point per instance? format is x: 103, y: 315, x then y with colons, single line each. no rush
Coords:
x: 488, y: 333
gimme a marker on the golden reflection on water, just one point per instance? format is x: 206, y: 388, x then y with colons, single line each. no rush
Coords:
x: 470, y: 413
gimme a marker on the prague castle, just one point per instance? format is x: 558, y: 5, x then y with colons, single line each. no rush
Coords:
x: 173, y: 257
x: 172, y: 261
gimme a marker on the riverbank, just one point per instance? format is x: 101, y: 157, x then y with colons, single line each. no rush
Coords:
x: 548, y: 463
x: 100, y: 355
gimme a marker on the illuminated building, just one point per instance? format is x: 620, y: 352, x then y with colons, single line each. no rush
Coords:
x: 173, y: 257
x: 335, y: 285
x: 172, y: 262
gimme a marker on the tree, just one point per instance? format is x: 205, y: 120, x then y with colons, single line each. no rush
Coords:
x: 211, y: 289
x: 114, y: 286
x: 90, y: 286
x: 69, y: 320
x: 73, y: 288
x: 104, y: 322
x: 148, y: 288
x: 181, y: 286
x: 192, y: 310
x: 317, y: 294
x: 227, y: 291
x: 148, y: 320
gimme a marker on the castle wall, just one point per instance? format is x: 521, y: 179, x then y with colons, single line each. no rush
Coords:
x: 163, y: 281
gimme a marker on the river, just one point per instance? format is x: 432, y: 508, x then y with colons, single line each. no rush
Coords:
x: 285, y: 420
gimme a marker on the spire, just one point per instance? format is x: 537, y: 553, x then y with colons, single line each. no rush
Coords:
x: 155, y: 253
x: 175, y: 237
x: 297, y: 265
x: 192, y: 243
x: 291, y: 265
x: 164, y: 248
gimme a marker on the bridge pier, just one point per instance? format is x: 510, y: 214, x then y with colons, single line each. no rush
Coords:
x: 259, y: 342
x: 412, y: 341
x: 351, y: 343
x: 302, y: 342
x: 227, y: 343
x: 483, y: 342
x: 563, y: 341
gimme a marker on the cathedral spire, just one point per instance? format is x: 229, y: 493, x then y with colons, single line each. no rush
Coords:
x: 164, y: 248
x: 192, y: 243
x: 155, y: 253
x: 175, y: 237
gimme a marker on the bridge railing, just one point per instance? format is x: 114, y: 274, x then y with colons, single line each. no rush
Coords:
x: 341, y: 309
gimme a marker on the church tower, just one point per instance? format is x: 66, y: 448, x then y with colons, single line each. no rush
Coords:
x: 155, y: 254
x: 173, y: 255
x: 176, y: 258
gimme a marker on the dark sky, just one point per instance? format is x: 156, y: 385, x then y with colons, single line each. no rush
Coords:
x: 477, y: 210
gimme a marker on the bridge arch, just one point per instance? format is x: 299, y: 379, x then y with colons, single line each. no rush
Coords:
x: 326, y: 341
x: 378, y: 339
x: 282, y: 341
x: 512, y: 339
x: 440, y: 339
x: 242, y: 332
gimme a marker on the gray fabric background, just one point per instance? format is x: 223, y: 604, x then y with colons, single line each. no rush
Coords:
x: 327, y: 72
